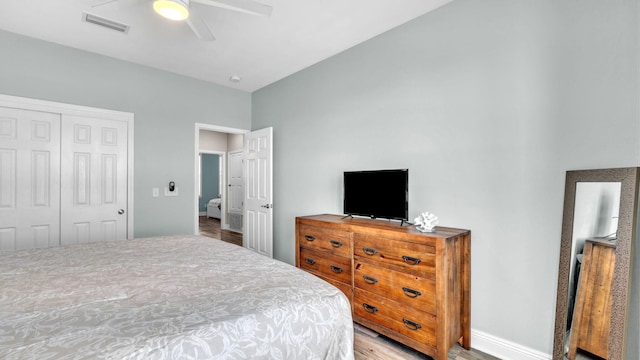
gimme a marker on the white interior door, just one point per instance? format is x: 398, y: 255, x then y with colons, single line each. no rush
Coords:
x: 94, y: 180
x: 258, y: 219
x: 29, y: 179
x: 236, y: 190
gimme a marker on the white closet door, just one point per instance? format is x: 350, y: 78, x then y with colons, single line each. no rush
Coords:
x: 94, y: 180
x: 29, y: 179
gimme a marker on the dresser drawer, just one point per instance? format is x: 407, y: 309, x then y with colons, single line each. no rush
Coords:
x: 327, y: 265
x: 338, y: 242
x: 412, y: 257
x: 410, y: 322
x: 405, y: 288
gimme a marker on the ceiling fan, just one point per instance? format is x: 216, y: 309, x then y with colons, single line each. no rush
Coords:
x: 184, y: 10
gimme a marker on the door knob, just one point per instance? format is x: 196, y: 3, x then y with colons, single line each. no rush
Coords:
x: 121, y: 211
x: 267, y: 206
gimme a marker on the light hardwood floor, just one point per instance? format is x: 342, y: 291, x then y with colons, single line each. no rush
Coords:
x: 369, y: 345
x: 211, y: 228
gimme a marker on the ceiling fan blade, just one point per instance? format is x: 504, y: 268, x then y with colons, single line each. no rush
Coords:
x: 244, y: 6
x: 122, y: 4
x: 104, y: 2
x: 200, y: 28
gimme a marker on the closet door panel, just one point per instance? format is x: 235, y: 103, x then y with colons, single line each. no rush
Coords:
x: 8, y: 178
x: 94, y: 180
x: 29, y: 179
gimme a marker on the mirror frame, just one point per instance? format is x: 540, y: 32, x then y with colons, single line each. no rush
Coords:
x: 628, y: 177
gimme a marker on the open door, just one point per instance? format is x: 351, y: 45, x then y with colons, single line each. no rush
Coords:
x: 258, y: 217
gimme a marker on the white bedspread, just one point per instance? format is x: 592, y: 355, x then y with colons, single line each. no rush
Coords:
x: 185, y: 297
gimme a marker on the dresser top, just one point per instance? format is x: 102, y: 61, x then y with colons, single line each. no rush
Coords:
x: 603, y: 242
x: 376, y: 225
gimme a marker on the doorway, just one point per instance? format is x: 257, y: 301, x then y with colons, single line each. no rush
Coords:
x: 214, y: 218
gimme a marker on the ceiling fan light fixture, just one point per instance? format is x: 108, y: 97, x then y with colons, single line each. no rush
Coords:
x: 172, y: 9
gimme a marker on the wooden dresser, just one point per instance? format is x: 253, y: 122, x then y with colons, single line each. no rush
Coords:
x: 410, y: 286
x: 592, y: 314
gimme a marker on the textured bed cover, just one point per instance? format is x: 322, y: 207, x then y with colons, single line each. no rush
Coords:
x: 179, y: 297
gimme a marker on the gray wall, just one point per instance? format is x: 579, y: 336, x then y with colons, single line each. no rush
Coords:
x: 210, y: 180
x: 166, y: 107
x: 488, y: 103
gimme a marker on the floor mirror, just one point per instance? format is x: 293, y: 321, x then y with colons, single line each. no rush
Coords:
x: 598, y: 232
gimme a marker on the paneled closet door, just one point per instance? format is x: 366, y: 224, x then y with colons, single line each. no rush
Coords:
x: 94, y: 180
x: 29, y: 179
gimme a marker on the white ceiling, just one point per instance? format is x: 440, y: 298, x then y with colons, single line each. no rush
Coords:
x: 260, y: 50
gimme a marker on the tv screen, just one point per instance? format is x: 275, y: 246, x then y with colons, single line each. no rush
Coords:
x: 377, y: 193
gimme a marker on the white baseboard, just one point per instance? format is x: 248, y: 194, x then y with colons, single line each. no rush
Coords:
x: 504, y: 349
x: 202, y: 213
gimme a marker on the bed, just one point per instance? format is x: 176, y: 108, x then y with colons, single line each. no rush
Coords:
x: 214, y: 208
x: 178, y: 297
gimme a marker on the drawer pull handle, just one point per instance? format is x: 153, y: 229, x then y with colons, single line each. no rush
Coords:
x: 335, y: 243
x: 411, y: 293
x: 370, y: 309
x: 410, y: 260
x: 369, y: 251
x: 336, y: 269
x: 411, y: 324
x: 310, y: 261
x: 309, y: 237
x: 369, y: 279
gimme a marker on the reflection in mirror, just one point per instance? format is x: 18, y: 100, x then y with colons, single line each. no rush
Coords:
x: 595, y: 218
x: 598, y: 228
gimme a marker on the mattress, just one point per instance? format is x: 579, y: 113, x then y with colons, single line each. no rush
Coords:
x: 214, y: 208
x: 215, y: 202
x: 180, y: 297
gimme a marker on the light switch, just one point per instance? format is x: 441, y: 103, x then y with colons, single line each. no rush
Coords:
x: 156, y: 192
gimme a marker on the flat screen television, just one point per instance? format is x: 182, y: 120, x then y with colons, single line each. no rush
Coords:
x: 377, y: 194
